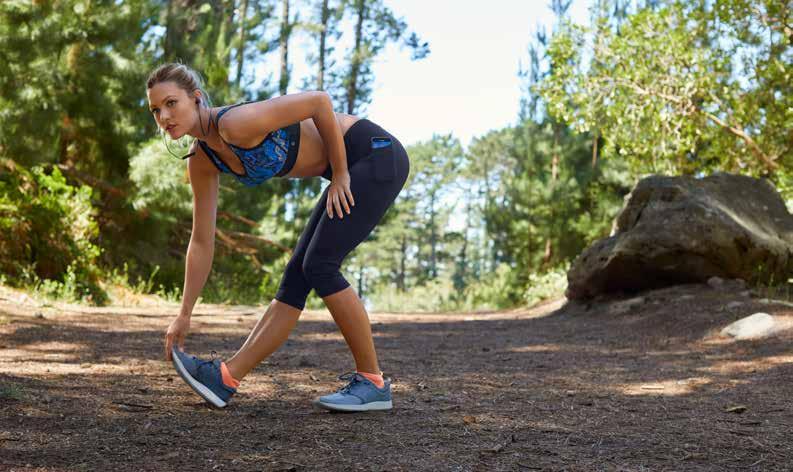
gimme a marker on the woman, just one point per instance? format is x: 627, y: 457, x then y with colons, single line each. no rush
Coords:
x: 295, y: 135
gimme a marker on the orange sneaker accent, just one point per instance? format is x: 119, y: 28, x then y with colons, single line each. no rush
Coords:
x: 227, y: 378
x: 375, y: 379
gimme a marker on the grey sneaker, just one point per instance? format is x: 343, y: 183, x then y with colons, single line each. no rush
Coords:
x: 358, y: 395
x: 204, y: 377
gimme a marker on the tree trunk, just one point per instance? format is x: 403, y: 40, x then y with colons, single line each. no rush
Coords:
x: 403, y: 258
x: 360, y: 280
x: 284, y: 42
x: 241, y: 49
x: 554, y: 178
x: 325, y: 16
x: 433, y: 237
x: 463, y: 257
x: 355, y: 63
x: 169, y: 26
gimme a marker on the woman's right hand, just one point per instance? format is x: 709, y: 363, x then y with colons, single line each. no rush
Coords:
x: 176, y: 334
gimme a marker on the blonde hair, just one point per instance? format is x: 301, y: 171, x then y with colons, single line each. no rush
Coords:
x: 183, y: 76
x: 186, y: 79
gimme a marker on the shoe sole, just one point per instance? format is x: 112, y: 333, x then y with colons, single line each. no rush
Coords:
x: 197, y: 386
x: 371, y: 406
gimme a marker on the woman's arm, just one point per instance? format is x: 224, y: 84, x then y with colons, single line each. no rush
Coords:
x: 244, y: 122
x: 205, y: 182
x: 200, y: 251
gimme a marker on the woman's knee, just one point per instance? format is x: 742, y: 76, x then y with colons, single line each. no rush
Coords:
x: 323, y: 275
x: 316, y: 268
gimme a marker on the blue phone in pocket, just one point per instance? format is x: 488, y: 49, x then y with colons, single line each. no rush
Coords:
x: 383, y: 156
x: 379, y: 142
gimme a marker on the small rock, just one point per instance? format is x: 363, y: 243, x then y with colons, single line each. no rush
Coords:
x: 39, y: 315
x: 716, y: 282
x: 732, y: 305
x: 768, y: 301
x: 619, y: 308
x: 754, y: 326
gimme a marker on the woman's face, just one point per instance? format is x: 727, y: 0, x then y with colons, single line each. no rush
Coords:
x: 172, y: 109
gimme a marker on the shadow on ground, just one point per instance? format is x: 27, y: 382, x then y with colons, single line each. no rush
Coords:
x: 578, y: 388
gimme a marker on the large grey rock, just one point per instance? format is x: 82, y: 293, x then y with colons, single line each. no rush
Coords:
x: 686, y: 230
x: 754, y: 326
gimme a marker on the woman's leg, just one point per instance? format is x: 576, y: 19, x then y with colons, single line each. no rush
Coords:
x: 315, y: 263
x: 335, y: 238
x: 272, y: 330
x: 350, y: 316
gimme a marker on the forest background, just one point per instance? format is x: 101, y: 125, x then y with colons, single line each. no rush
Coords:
x: 92, y: 201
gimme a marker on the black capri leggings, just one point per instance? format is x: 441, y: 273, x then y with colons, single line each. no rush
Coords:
x: 377, y: 174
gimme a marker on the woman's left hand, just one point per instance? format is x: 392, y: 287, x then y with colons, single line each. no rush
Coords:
x: 339, y: 195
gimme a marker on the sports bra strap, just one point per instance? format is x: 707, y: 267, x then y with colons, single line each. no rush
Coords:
x: 220, y: 115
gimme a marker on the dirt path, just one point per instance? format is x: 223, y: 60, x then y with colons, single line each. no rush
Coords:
x: 560, y: 387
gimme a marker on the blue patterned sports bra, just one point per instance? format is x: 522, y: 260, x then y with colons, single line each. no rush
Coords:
x: 274, y: 156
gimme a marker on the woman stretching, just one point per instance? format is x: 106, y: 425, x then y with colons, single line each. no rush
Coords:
x: 296, y: 135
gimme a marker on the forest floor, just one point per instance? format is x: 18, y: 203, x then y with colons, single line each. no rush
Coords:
x: 645, y: 384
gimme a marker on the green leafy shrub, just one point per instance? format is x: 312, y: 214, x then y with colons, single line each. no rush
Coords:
x: 550, y: 284
x: 46, y: 232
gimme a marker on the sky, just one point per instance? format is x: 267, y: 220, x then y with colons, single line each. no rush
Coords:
x: 468, y: 84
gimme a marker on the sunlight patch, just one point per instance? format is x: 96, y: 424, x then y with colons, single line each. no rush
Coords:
x: 536, y: 348
x: 55, y: 346
x: 738, y: 367
x: 666, y: 387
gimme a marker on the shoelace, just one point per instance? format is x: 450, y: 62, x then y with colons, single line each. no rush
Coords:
x: 353, y: 377
x: 214, y: 356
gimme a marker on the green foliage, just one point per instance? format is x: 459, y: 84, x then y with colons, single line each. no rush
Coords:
x: 71, y: 82
x: 548, y: 285
x: 73, y: 94
x: 46, y: 231
x: 272, y: 277
x: 682, y: 87
x: 435, y: 295
x: 234, y: 281
x: 496, y: 290
x: 669, y: 94
x: 160, y: 180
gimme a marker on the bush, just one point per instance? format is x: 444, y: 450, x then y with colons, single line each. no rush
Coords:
x: 46, y: 232
x: 435, y: 295
x: 550, y: 284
